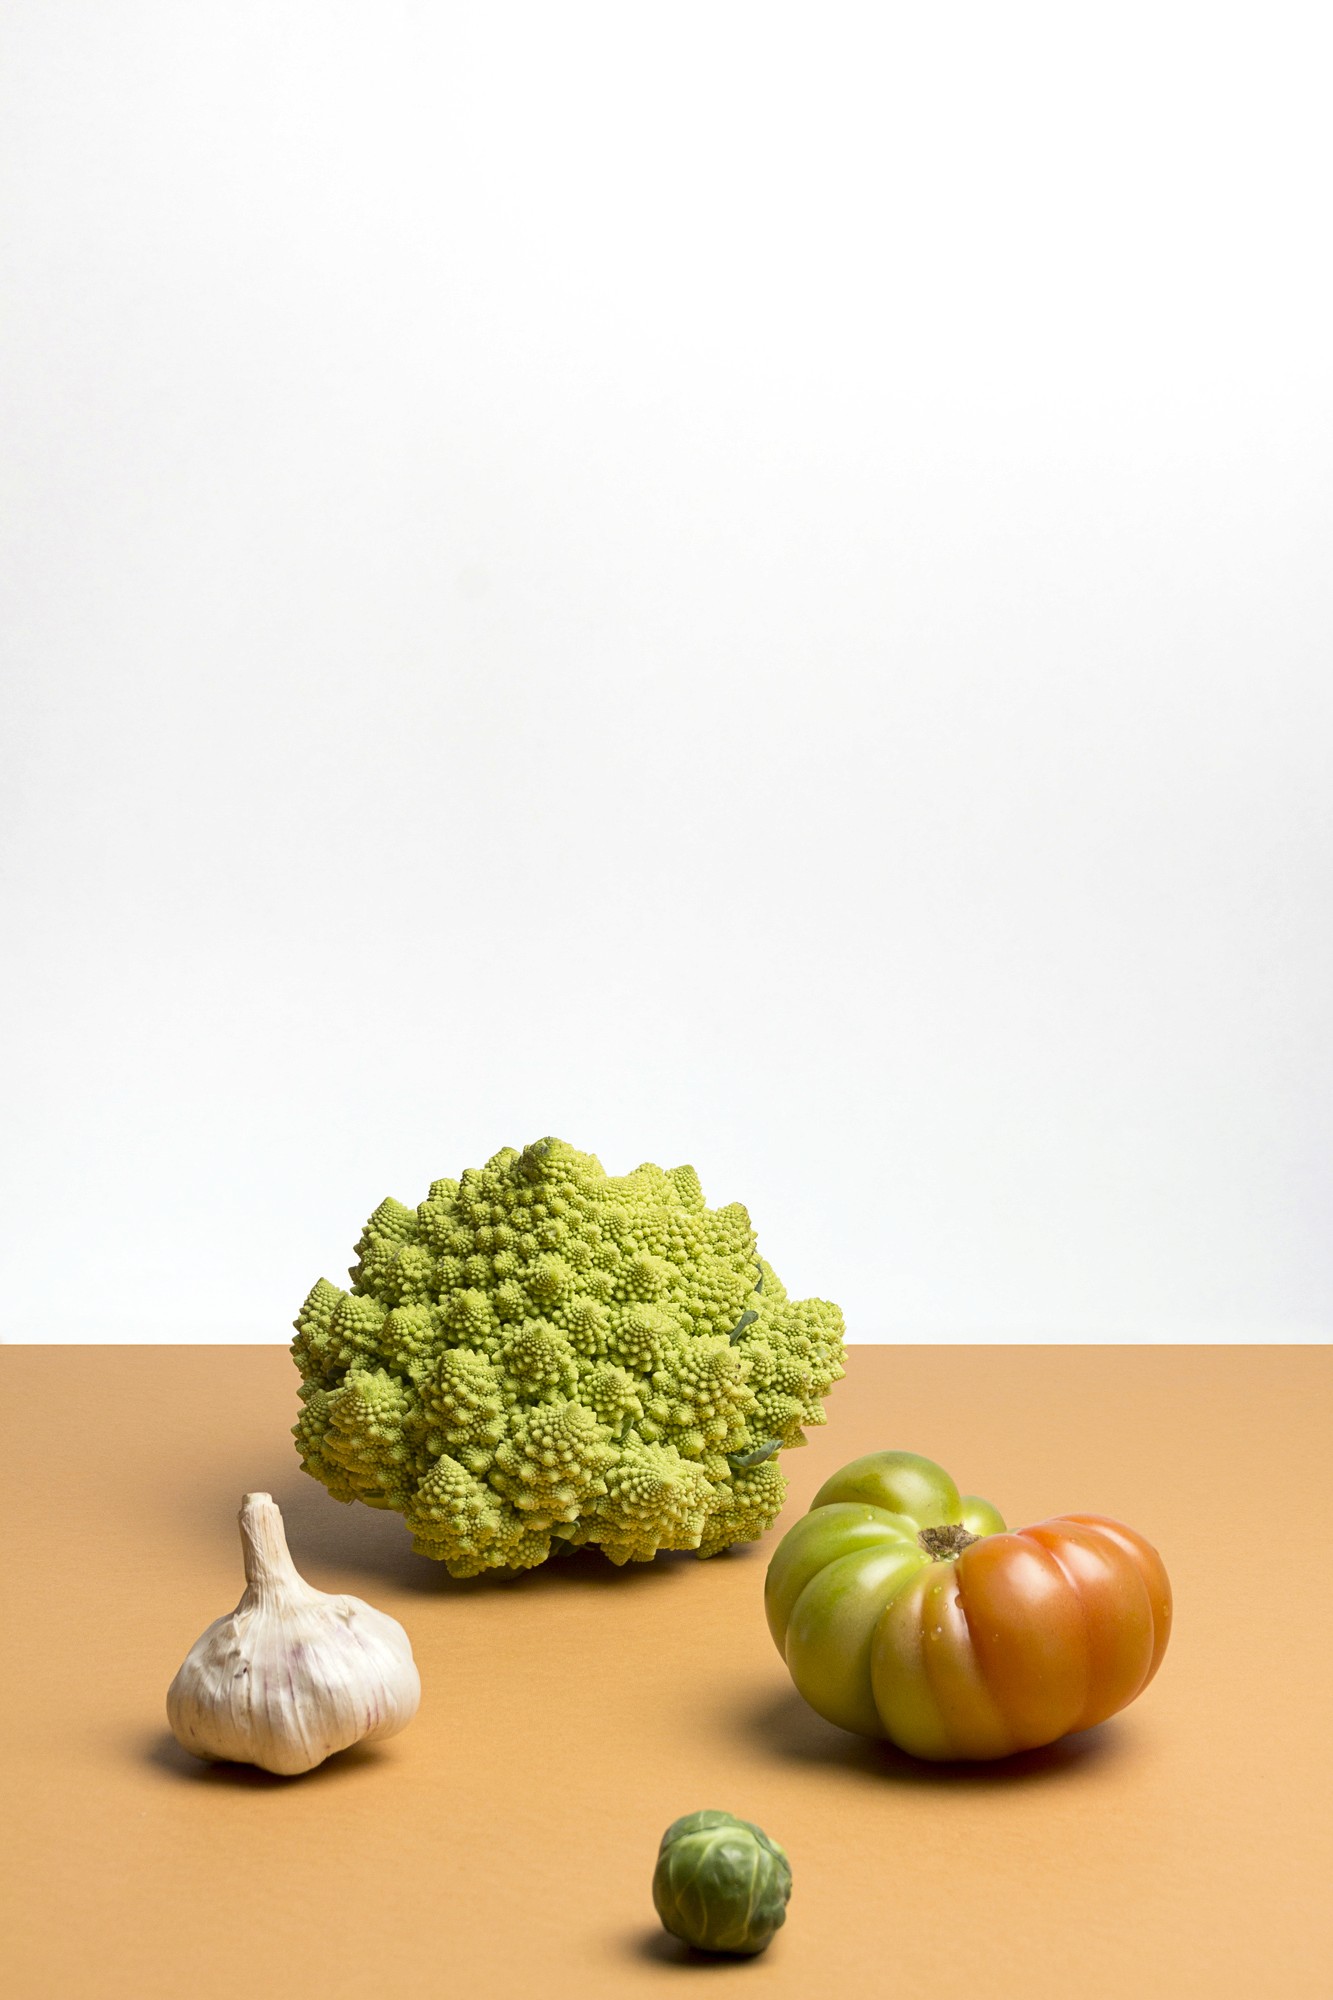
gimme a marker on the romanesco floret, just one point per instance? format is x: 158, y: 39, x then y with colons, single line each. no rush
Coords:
x: 542, y: 1356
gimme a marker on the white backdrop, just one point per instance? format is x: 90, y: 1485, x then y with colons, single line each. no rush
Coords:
x: 737, y: 583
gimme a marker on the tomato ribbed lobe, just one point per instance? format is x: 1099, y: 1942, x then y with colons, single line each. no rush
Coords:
x: 1151, y: 1568
x: 832, y: 1628
x: 1029, y: 1634
x: 929, y: 1689
x: 1117, y: 1614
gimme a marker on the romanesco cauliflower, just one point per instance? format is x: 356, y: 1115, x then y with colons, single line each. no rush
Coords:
x: 541, y: 1355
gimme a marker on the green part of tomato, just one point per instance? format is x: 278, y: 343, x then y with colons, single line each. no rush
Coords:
x: 832, y: 1625
x: 979, y: 1517
x: 816, y: 1540
x: 899, y: 1481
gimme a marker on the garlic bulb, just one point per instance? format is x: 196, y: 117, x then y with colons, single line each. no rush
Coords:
x: 291, y: 1675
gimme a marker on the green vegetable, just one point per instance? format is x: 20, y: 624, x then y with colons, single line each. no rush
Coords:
x: 720, y: 1883
x: 540, y: 1356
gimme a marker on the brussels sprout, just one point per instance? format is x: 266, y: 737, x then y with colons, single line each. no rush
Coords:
x: 721, y: 1883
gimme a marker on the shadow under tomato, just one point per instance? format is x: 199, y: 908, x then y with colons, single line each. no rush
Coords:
x: 788, y: 1728
x: 164, y: 1753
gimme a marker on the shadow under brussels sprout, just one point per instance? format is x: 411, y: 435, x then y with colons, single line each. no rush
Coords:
x: 658, y: 1947
x: 785, y: 1725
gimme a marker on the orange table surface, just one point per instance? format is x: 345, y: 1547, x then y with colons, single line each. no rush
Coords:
x: 504, y: 1844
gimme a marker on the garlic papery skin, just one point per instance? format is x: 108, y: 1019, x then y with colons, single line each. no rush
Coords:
x: 291, y: 1675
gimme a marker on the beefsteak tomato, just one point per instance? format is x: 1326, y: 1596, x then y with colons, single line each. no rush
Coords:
x: 905, y: 1609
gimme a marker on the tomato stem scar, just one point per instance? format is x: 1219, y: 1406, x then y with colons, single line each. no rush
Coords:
x: 943, y: 1544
